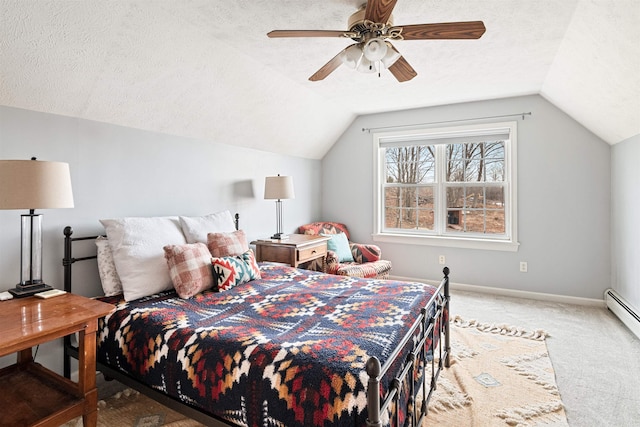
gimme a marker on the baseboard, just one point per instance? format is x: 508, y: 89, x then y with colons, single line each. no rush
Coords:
x: 623, y: 310
x: 540, y: 296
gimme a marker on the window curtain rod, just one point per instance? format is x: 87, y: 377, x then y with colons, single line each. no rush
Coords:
x: 446, y: 121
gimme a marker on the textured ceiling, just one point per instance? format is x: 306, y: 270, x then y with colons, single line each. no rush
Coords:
x: 205, y: 68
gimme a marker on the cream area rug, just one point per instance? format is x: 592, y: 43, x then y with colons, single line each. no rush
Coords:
x: 499, y: 376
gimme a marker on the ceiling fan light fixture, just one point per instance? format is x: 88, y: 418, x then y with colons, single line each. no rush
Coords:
x: 390, y: 57
x: 351, y: 56
x: 366, y: 66
x: 375, y: 49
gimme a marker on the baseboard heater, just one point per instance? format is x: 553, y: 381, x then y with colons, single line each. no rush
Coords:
x: 625, y: 312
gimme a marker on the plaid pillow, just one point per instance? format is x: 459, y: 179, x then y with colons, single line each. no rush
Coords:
x: 227, y: 244
x: 234, y: 270
x: 189, y: 268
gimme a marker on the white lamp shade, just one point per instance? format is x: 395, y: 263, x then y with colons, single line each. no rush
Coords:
x: 278, y: 187
x: 375, y: 49
x: 390, y: 57
x: 351, y: 55
x: 366, y: 66
x: 35, y: 184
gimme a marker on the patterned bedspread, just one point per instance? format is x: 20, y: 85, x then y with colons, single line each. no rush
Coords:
x: 287, y: 350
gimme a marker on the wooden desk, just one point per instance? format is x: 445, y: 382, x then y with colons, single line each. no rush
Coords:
x: 295, y: 250
x: 31, y: 394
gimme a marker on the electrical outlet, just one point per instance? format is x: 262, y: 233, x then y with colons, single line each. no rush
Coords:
x: 523, y: 266
x: 441, y: 260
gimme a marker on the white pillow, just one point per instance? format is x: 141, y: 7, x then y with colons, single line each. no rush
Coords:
x: 111, y: 284
x: 137, y: 245
x: 196, y: 228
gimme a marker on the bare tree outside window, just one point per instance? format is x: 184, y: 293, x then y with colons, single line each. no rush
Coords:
x: 475, y: 205
x: 410, y: 174
x: 452, y: 185
x: 473, y: 184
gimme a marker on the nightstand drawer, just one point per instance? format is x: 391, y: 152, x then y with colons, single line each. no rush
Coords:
x: 313, y: 252
x: 294, y: 250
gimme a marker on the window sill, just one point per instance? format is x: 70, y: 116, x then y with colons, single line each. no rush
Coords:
x: 452, y: 242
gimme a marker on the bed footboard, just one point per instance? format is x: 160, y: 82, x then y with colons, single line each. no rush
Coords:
x: 433, y: 339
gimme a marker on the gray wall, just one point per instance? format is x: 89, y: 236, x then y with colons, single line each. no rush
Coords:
x: 117, y: 171
x: 563, y: 202
x: 625, y: 219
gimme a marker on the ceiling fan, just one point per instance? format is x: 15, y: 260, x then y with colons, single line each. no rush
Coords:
x: 371, y: 27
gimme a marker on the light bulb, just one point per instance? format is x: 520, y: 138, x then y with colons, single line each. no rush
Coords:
x: 391, y: 56
x: 375, y: 49
x: 366, y: 66
x: 351, y: 55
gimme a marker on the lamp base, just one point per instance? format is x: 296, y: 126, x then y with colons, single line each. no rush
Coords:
x: 21, y: 291
x: 280, y: 236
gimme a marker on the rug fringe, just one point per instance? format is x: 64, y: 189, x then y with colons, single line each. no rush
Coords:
x: 502, y: 329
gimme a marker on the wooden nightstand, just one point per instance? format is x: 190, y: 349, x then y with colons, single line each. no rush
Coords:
x: 30, y: 394
x: 295, y: 250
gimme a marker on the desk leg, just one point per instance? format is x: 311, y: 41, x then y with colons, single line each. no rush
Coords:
x: 87, y: 373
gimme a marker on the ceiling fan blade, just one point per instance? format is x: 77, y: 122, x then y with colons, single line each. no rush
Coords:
x: 329, y: 67
x: 401, y: 69
x: 447, y: 30
x: 379, y: 10
x: 308, y: 33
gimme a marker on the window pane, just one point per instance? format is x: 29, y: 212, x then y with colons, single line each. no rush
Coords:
x: 425, y: 219
x: 425, y: 208
x: 392, y: 218
x: 474, y: 171
x: 425, y: 198
x: 455, y: 163
x: 392, y: 197
x: 475, y: 209
x: 409, y: 207
x: 474, y: 221
x: 495, y: 197
x: 454, y: 219
x: 474, y: 197
x: 494, y: 150
x: 494, y: 171
x: 411, y: 165
x: 455, y: 197
x: 495, y: 222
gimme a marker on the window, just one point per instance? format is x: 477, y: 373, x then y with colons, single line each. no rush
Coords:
x: 447, y: 186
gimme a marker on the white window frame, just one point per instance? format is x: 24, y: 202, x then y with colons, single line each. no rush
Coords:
x: 441, y: 136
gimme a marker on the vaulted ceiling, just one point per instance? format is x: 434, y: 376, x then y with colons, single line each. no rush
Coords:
x: 206, y: 69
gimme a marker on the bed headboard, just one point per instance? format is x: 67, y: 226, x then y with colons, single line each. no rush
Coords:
x: 68, y: 259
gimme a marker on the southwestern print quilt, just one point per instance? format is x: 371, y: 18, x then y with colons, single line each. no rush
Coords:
x: 286, y: 350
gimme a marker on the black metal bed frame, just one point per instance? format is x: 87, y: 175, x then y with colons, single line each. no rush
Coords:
x: 433, y: 328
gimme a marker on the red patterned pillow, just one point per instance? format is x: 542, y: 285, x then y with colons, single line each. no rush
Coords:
x: 189, y: 268
x: 227, y: 244
x: 234, y: 270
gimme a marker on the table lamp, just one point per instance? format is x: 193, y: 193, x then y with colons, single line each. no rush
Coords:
x: 33, y: 184
x: 278, y: 188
